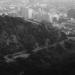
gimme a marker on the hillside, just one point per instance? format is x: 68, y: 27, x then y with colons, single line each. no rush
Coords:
x: 37, y: 48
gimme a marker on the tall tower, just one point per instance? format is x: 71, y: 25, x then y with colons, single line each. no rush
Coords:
x: 30, y: 13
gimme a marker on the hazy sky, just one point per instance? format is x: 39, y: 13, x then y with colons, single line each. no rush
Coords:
x: 42, y: 0
x: 49, y: 1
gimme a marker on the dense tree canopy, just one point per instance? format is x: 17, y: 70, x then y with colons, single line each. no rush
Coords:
x: 47, y: 50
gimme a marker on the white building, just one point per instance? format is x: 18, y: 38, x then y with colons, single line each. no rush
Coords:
x: 30, y: 13
x: 53, y: 15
